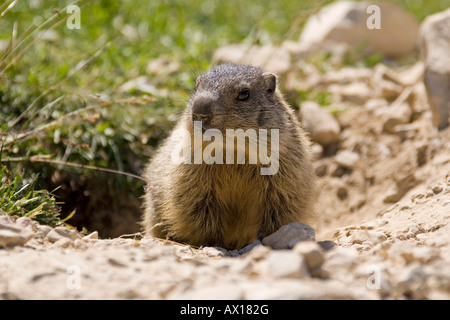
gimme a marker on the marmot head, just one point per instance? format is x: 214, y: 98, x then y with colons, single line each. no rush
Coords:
x: 233, y: 97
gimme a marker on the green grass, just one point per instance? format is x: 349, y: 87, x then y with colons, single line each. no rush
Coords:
x: 60, y: 88
x: 20, y: 198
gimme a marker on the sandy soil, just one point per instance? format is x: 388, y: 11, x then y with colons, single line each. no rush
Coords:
x: 386, y: 210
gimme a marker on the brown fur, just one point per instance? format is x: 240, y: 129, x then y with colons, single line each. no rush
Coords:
x: 229, y: 205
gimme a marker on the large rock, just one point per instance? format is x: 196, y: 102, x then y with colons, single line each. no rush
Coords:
x: 289, y: 235
x: 435, y: 49
x: 269, y: 58
x: 11, y: 234
x: 347, y: 159
x: 59, y: 233
x: 285, y: 264
x: 319, y: 123
x: 346, y: 21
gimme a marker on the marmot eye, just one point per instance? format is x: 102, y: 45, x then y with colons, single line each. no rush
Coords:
x: 244, y: 94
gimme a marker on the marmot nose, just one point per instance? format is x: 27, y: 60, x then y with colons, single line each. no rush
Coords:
x: 201, y: 111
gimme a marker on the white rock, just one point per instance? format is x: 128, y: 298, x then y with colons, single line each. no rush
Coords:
x: 12, y: 235
x: 90, y: 236
x: 316, y: 151
x: 356, y: 92
x: 340, y: 257
x: 414, y: 230
x: 4, y: 218
x: 347, y: 159
x: 269, y: 58
x: 214, y: 251
x: 312, y: 253
x: 375, y: 104
x: 346, y: 21
x: 285, y: 264
x: 395, y: 115
x: 435, y: 48
x: 61, y: 233
x: 367, y: 236
x: 25, y: 222
x: 288, y: 235
x: 412, y: 75
x: 63, y: 243
x: 259, y: 253
x: 319, y: 123
x: 43, y: 230
x: 346, y: 75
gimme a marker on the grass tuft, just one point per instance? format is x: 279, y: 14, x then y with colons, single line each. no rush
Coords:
x: 22, y: 199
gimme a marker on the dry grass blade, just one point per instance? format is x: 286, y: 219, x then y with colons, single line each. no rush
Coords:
x: 8, y: 8
x: 79, y: 67
x: 45, y: 159
x: 13, y: 138
x: 22, y: 52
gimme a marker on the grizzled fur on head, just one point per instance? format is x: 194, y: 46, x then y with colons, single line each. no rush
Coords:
x: 236, y: 94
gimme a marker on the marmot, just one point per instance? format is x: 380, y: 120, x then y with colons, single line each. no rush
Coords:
x: 229, y: 205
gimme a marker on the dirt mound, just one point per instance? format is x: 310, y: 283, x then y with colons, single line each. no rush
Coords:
x: 385, y: 210
x: 383, y: 170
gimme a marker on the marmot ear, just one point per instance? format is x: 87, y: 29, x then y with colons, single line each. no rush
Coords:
x: 270, y: 81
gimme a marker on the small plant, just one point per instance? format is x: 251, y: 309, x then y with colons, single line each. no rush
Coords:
x: 24, y: 200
